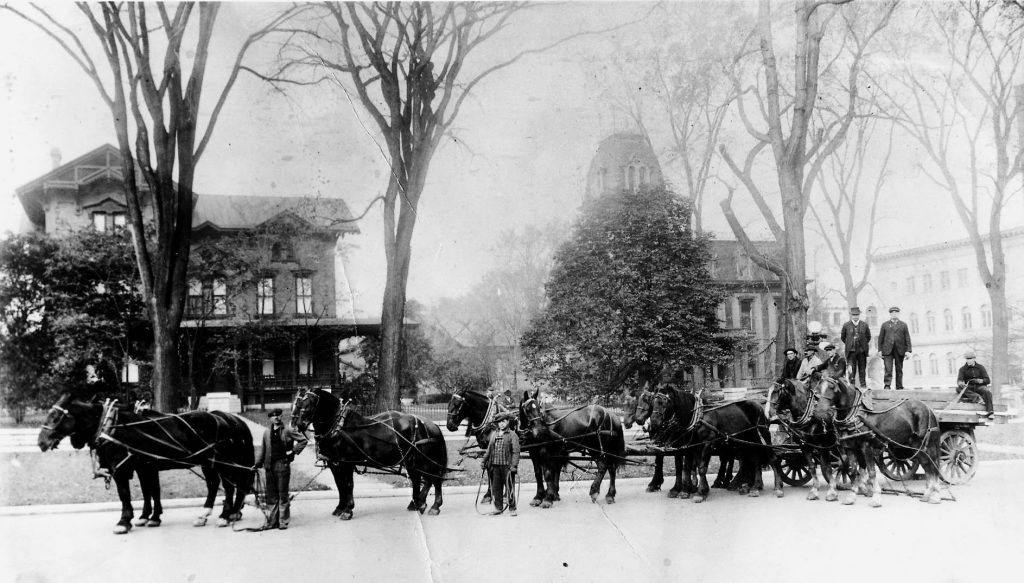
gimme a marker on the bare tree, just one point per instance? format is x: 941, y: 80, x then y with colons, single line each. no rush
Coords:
x: 154, y: 99
x: 848, y: 189
x: 957, y: 98
x: 406, y: 65
x: 808, y: 143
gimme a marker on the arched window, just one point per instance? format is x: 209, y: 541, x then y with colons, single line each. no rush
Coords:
x: 965, y: 314
x: 929, y: 321
x: 950, y: 363
x: 986, y: 316
x: 872, y: 316
x: 933, y: 364
x: 632, y: 179
x: 601, y: 174
x: 914, y: 327
x: 917, y: 365
x: 948, y: 317
x: 644, y: 178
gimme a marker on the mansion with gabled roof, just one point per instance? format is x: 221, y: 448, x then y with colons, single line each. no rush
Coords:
x: 262, y: 309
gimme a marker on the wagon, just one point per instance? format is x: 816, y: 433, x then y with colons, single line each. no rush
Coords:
x: 958, y: 448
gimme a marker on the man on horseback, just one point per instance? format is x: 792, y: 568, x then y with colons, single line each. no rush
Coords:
x: 281, y: 444
x: 502, y: 463
x: 973, y: 378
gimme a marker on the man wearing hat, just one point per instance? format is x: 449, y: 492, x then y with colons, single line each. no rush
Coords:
x: 856, y: 337
x: 973, y: 378
x: 502, y: 462
x: 894, y: 346
x: 791, y: 367
x: 281, y: 444
x: 809, y: 364
x: 834, y: 366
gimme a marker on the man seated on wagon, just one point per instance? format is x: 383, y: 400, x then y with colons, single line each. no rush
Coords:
x: 791, y: 367
x: 505, y: 404
x: 810, y: 363
x: 973, y: 378
x: 834, y: 366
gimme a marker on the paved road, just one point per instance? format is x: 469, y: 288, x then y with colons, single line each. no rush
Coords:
x: 644, y: 537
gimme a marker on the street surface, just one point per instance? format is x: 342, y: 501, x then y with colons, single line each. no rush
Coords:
x: 644, y: 537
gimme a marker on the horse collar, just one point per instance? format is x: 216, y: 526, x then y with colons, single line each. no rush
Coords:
x: 339, y: 422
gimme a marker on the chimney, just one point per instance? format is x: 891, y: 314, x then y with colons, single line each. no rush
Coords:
x: 55, y: 157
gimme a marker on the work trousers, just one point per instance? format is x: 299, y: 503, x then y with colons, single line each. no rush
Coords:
x: 499, y: 476
x: 279, y: 474
x: 858, y: 363
x: 893, y: 360
x: 984, y: 392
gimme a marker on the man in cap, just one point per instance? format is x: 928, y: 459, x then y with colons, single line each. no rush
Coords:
x: 856, y: 337
x: 894, y: 346
x: 834, y: 366
x: 791, y: 367
x: 973, y: 378
x: 502, y: 462
x: 810, y: 363
x: 281, y: 444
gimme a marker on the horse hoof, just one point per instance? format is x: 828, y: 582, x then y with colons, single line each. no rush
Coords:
x: 153, y: 523
x: 337, y: 511
x: 222, y: 522
x: 235, y: 517
x: 486, y: 500
x: 754, y: 494
x: 199, y: 522
x: 345, y: 515
x: 593, y: 498
x: 653, y: 488
x: 780, y: 494
x: 535, y: 502
x: 545, y: 504
x: 122, y: 528
x: 875, y: 503
x: 812, y: 496
x: 141, y: 522
x: 831, y: 497
x: 673, y: 493
x: 743, y: 490
x: 422, y: 508
x: 557, y: 498
x: 699, y: 499
x: 684, y: 495
x: 434, y: 511
x: 848, y: 502
x: 412, y: 506
x: 609, y: 500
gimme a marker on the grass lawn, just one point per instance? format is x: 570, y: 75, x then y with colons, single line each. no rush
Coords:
x: 65, y: 477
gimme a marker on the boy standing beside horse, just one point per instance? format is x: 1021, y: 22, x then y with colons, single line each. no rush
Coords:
x: 502, y: 462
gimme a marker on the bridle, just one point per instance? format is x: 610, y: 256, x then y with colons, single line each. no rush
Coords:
x: 60, y: 419
x: 830, y: 400
x: 532, y: 404
x: 809, y: 406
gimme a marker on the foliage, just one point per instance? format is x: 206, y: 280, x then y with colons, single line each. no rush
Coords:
x: 631, y: 284
x: 69, y: 304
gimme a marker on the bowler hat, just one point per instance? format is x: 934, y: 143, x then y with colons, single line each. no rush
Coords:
x: 830, y: 346
x: 893, y: 309
x: 275, y: 413
x: 793, y: 350
x: 969, y: 354
x: 506, y: 416
x: 855, y: 311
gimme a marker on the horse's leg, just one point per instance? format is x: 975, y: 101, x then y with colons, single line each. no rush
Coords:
x: 551, y: 476
x: 859, y: 476
x: 724, y: 477
x: 152, y: 478
x: 339, y: 482
x: 147, y: 498
x: 928, y: 458
x: 437, y: 480
x: 811, y: 462
x: 559, y: 467
x: 702, y: 474
x: 124, y: 493
x: 757, y: 481
x: 228, y: 508
x: 876, y: 488
x: 414, y: 477
x: 212, y: 484
x: 609, y: 498
x: 688, y: 465
x: 743, y: 480
x: 595, y: 487
x: 345, y: 486
x: 538, y: 474
x: 678, y: 487
x: 659, y: 477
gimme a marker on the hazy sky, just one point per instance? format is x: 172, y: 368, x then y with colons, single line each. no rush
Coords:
x: 519, y: 156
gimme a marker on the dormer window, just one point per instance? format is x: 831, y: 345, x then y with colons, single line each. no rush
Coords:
x: 105, y: 222
x: 282, y: 252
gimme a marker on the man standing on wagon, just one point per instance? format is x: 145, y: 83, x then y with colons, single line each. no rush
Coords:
x: 894, y: 345
x: 502, y: 462
x: 973, y: 378
x: 856, y: 337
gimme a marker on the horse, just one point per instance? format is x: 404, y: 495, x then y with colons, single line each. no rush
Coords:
x: 908, y: 430
x: 812, y: 432
x: 146, y: 443
x: 552, y: 434
x: 638, y: 410
x: 740, y: 426
x: 479, y: 410
x: 386, y: 441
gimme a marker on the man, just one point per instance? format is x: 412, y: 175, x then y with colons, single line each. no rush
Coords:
x: 834, y: 366
x: 894, y: 346
x: 502, y: 462
x: 280, y: 446
x: 973, y: 378
x: 791, y: 367
x: 856, y: 337
x: 809, y: 364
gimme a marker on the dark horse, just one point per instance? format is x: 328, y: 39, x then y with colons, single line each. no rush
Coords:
x: 126, y: 442
x: 810, y: 429
x: 479, y: 410
x: 683, y: 423
x: 908, y: 430
x: 551, y: 435
x: 387, y: 441
x: 638, y: 410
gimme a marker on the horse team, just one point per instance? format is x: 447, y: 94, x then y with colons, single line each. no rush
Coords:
x: 827, y: 421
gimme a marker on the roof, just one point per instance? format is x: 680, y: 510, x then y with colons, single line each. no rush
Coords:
x: 229, y: 212
x: 924, y: 249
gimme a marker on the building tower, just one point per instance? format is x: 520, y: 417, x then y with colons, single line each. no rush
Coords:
x: 622, y: 160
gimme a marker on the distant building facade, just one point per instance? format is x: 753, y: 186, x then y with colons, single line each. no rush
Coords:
x: 947, y: 308
x: 259, y: 325
x: 750, y: 312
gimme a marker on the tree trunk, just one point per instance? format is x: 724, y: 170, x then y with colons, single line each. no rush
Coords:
x: 166, y: 367
x: 796, y: 262
x: 1000, y: 336
x: 391, y: 322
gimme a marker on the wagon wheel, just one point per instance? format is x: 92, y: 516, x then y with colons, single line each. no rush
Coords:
x: 958, y: 456
x: 842, y: 471
x: 794, y: 470
x: 896, y: 468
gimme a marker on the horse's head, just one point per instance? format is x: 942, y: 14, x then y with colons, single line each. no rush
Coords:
x: 660, y: 411
x: 456, y: 407
x: 833, y: 396
x: 781, y: 398
x: 531, y: 414
x: 303, y: 409
x: 638, y: 409
x: 68, y: 416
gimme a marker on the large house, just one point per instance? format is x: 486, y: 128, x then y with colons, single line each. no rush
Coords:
x: 262, y: 308
x: 750, y: 312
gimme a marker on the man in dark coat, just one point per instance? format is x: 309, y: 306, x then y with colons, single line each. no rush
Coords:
x: 834, y: 366
x: 973, y: 378
x: 894, y: 345
x: 791, y: 366
x: 281, y: 444
x: 502, y: 462
x: 856, y: 337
